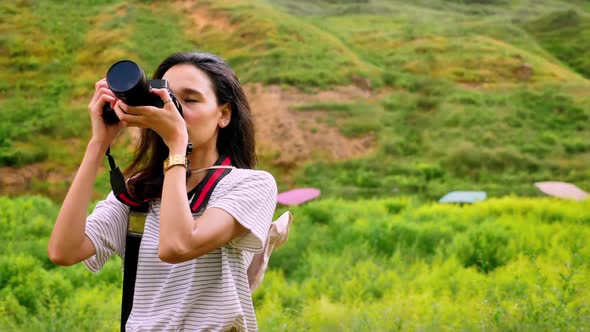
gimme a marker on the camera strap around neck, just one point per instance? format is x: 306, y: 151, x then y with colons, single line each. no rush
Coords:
x: 204, y: 189
x: 199, y: 198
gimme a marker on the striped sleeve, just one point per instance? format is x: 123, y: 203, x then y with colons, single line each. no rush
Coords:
x: 252, y: 202
x: 106, y: 227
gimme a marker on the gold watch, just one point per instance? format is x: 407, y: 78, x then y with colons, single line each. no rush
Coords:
x: 174, y: 160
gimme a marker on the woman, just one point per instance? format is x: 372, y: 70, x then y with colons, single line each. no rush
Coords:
x: 191, y: 274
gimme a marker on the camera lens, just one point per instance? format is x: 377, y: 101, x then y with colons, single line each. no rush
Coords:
x: 123, y: 75
x: 128, y: 82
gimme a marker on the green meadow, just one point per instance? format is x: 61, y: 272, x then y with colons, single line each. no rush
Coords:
x: 487, y: 95
x: 392, y: 264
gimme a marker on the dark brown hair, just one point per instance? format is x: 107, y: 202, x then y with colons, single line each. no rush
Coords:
x: 236, y: 140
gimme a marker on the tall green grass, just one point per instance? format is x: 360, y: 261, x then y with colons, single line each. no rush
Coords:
x: 396, y: 264
x: 511, y: 264
x: 36, y: 295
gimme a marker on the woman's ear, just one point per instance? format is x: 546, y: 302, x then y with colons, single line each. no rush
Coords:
x: 225, y: 115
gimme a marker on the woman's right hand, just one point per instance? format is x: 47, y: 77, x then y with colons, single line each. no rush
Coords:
x: 102, y: 133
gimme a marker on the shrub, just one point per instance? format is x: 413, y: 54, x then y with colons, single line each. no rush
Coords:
x: 483, y: 246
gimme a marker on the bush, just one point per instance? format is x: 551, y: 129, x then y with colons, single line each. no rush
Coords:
x: 466, y: 159
x: 484, y: 246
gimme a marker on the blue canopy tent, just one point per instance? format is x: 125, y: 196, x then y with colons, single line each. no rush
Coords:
x: 463, y: 197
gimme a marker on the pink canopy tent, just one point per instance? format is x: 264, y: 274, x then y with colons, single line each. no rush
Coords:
x: 298, y: 196
x: 562, y: 190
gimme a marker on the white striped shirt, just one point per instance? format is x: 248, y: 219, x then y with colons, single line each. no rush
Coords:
x: 208, y: 293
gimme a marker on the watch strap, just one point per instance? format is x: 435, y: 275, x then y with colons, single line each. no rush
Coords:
x: 175, y: 160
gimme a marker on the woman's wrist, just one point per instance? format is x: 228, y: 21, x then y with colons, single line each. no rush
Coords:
x: 178, y: 146
x: 97, y: 146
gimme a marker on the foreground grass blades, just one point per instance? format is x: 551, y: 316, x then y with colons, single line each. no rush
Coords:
x: 368, y: 265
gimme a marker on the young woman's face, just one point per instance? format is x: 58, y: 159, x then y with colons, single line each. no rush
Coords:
x: 201, y: 113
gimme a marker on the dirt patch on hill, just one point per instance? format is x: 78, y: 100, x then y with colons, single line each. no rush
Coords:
x: 204, y: 18
x: 34, y: 179
x: 293, y: 137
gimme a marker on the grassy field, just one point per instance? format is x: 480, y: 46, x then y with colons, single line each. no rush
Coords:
x: 510, y: 264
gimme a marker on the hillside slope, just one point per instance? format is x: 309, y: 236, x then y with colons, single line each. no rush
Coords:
x: 359, y: 98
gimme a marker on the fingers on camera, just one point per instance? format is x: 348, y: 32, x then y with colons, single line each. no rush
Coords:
x: 162, y: 93
x: 127, y: 119
x: 106, y: 91
x: 106, y: 99
x: 100, y: 84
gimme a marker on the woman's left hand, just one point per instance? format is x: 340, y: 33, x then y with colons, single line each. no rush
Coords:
x: 166, y: 121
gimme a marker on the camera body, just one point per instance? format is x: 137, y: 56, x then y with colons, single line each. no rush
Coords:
x: 127, y: 80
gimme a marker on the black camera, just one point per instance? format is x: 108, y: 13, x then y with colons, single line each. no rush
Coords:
x: 128, y: 82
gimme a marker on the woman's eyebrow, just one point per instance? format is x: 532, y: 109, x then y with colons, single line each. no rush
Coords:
x: 191, y: 91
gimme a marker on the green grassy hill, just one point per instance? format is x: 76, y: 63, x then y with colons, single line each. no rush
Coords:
x: 487, y: 95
